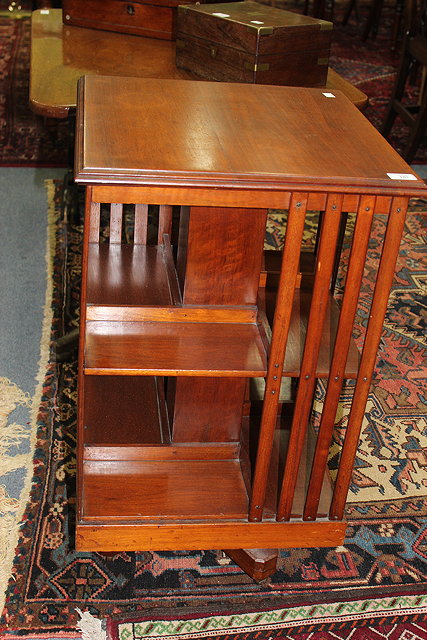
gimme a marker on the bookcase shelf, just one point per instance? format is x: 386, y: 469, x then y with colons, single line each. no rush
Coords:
x: 171, y: 349
x: 139, y: 490
x: 129, y: 274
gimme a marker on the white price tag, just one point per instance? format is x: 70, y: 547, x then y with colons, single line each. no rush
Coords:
x: 328, y: 95
x: 402, y: 176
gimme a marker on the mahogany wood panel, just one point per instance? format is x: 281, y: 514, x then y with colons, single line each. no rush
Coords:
x: 124, y: 410
x: 179, y: 489
x: 94, y: 220
x: 165, y: 222
x: 261, y: 198
x: 116, y: 223
x: 168, y: 313
x: 230, y: 535
x: 61, y: 54
x: 141, y: 224
x: 224, y: 255
x: 182, y: 250
x: 171, y: 270
x: 140, y: 451
x: 166, y: 348
x: 207, y: 409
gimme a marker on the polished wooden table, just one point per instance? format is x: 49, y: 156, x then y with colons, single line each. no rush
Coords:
x: 169, y: 455
x: 61, y: 54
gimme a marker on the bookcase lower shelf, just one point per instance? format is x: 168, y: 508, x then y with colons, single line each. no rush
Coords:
x: 236, y: 534
x: 187, y: 486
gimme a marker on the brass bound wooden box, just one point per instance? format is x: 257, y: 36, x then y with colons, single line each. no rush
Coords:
x: 151, y: 18
x: 251, y: 42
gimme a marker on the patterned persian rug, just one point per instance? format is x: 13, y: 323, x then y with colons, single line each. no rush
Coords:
x: 384, y: 555
x: 358, y: 620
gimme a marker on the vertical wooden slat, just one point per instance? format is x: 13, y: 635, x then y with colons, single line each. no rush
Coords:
x: 339, y: 358
x: 165, y: 222
x: 282, y: 318
x: 318, y: 231
x: 91, y: 230
x: 116, y: 219
x: 369, y: 354
x: 141, y: 224
x: 338, y: 251
x: 93, y: 220
x: 318, y: 307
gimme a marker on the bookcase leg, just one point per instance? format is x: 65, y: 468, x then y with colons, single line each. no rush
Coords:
x: 259, y: 564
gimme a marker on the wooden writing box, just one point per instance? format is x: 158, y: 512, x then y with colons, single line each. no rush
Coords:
x: 151, y: 18
x: 250, y: 42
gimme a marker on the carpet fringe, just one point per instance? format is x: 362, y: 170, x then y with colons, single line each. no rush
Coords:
x: 11, y: 397
x: 90, y: 627
x: 12, y: 510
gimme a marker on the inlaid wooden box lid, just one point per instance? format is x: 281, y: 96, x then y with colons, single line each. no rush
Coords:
x: 251, y: 42
x: 255, y: 23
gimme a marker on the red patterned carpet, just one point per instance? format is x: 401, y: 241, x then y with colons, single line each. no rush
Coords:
x: 333, y: 623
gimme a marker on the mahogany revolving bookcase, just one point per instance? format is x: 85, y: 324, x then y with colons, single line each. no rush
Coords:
x: 174, y: 330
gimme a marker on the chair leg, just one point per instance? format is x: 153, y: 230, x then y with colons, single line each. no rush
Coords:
x: 397, y: 93
x: 417, y: 134
x: 351, y: 5
x: 397, y: 24
x: 373, y: 19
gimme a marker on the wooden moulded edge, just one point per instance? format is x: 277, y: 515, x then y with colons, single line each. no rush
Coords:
x: 225, y: 535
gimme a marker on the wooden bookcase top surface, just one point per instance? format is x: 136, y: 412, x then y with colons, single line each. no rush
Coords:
x: 145, y: 131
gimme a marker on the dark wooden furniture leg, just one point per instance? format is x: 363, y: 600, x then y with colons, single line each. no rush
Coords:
x: 257, y: 563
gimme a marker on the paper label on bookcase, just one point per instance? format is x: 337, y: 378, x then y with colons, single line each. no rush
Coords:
x: 402, y: 176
